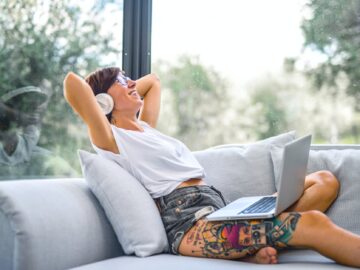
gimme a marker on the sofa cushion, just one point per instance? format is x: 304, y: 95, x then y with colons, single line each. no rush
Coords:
x: 128, y: 206
x: 294, y: 260
x: 344, y: 164
x: 243, y: 170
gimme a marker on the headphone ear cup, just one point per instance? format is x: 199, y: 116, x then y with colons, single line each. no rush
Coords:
x: 106, y: 102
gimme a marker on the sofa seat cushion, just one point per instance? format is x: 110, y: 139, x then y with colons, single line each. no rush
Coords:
x: 294, y: 260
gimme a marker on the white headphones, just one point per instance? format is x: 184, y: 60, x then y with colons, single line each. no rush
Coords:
x: 106, y: 102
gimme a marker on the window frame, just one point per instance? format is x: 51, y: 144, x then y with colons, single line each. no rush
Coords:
x: 137, y: 22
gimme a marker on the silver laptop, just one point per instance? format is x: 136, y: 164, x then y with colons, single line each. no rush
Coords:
x: 291, y: 187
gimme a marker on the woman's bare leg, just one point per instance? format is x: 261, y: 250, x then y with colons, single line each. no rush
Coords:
x: 238, y: 239
x: 316, y: 231
x: 320, y: 190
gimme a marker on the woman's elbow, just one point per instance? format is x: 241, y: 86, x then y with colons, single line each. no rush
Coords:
x: 69, y: 76
x: 155, y: 77
x: 68, y: 84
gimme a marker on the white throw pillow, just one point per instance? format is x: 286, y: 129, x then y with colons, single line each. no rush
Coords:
x: 129, y: 207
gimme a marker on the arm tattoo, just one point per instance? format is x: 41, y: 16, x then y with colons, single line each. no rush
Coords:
x: 245, y: 236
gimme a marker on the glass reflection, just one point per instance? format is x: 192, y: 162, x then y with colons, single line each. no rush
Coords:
x: 21, y: 113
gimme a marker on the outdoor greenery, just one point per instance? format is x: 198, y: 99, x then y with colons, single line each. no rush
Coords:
x: 326, y: 105
x: 333, y: 29
x: 195, y: 100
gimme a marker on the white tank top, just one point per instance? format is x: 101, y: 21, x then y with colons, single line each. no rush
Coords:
x: 158, y: 161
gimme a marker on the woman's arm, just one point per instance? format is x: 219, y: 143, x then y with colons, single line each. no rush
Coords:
x: 82, y: 100
x: 149, y: 88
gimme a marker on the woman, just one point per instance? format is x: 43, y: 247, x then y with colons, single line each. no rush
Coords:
x: 174, y: 178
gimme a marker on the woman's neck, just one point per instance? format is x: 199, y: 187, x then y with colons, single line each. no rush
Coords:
x: 127, y: 123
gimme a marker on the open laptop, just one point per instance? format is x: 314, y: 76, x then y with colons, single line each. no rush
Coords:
x: 291, y: 187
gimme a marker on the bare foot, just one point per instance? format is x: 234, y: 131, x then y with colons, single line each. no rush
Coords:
x: 266, y: 255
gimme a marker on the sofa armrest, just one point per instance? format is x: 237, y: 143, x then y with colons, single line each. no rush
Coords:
x: 52, y: 224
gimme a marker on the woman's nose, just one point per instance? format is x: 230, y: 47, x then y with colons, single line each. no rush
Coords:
x: 131, y: 83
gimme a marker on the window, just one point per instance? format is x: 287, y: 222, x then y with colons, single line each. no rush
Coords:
x: 239, y: 71
x: 40, y: 41
x: 232, y: 72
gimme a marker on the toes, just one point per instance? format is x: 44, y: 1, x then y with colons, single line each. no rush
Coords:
x: 271, y: 251
x: 267, y: 255
x: 272, y: 255
x: 263, y: 257
x: 274, y: 260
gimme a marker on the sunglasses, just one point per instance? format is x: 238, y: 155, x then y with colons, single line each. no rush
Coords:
x: 123, y: 80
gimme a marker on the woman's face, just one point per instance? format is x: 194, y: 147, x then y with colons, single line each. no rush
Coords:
x: 124, y: 94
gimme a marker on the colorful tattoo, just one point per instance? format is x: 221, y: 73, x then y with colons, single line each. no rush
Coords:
x: 242, y: 236
x: 195, y: 236
x: 282, y: 231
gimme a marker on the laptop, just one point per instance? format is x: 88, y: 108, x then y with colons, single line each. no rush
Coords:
x: 291, y: 187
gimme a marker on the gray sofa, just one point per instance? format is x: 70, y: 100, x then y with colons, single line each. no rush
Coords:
x: 59, y: 224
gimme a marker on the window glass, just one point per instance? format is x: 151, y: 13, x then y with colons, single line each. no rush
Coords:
x: 40, y: 42
x: 240, y: 71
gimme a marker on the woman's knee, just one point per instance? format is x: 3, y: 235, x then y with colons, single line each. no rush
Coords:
x: 315, y: 218
x: 307, y: 218
x: 329, y: 183
x: 312, y: 226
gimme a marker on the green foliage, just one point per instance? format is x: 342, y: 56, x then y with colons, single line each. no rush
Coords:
x: 199, y: 100
x: 272, y: 114
x: 40, y: 41
x: 333, y: 30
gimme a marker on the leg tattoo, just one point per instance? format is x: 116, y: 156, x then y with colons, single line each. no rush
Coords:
x: 224, y: 238
x: 282, y: 231
x: 221, y: 239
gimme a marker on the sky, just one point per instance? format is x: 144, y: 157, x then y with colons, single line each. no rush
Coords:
x: 241, y: 39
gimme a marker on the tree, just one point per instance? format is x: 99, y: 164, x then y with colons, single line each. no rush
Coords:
x: 40, y: 41
x: 333, y: 29
x: 272, y: 114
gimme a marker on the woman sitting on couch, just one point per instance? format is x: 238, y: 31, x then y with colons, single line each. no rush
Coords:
x: 108, y: 102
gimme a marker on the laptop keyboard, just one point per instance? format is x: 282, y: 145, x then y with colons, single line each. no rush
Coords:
x: 262, y: 206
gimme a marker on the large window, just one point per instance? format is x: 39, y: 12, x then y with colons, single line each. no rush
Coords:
x: 232, y: 72
x: 40, y: 41
x: 239, y: 71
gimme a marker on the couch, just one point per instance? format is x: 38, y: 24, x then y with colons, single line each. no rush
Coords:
x: 60, y: 224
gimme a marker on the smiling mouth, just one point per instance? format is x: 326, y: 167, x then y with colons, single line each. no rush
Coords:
x: 133, y: 93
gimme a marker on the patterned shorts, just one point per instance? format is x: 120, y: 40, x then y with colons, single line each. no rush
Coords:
x: 184, y: 206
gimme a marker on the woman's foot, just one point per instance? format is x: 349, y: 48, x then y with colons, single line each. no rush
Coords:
x: 266, y: 255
